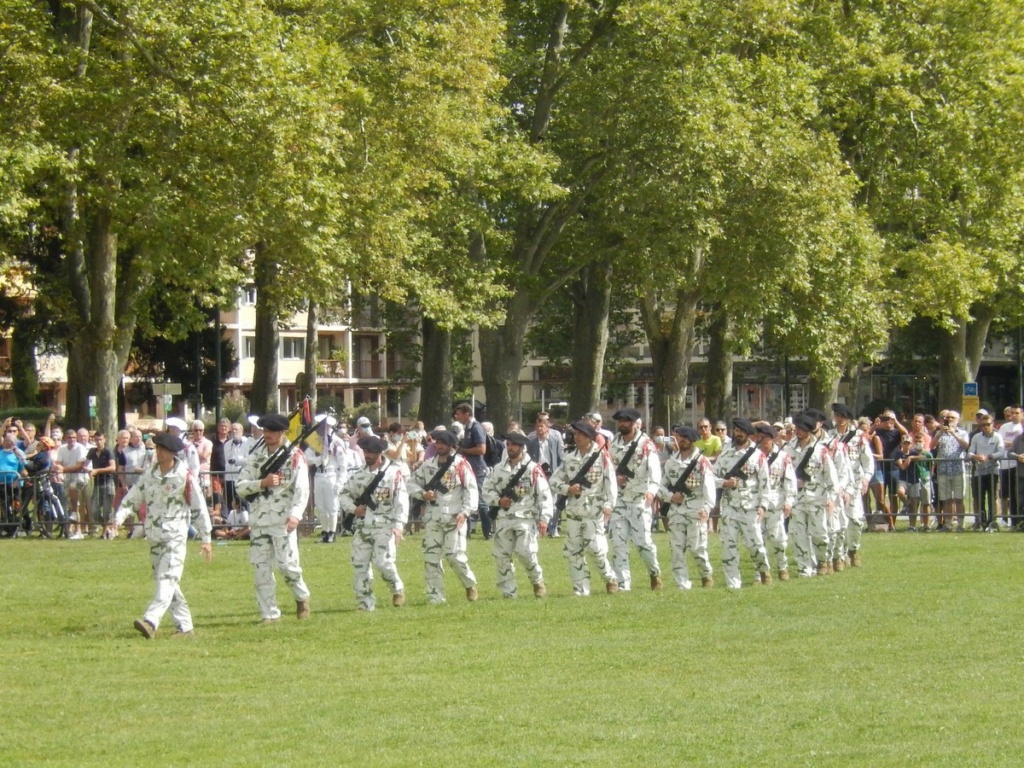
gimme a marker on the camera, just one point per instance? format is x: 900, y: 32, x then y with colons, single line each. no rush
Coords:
x: 947, y: 421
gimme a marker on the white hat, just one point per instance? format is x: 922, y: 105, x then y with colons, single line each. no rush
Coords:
x: 175, y: 423
x: 362, y: 421
x: 331, y: 421
x: 982, y: 412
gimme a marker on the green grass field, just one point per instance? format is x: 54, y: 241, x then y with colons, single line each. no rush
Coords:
x: 916, y: 659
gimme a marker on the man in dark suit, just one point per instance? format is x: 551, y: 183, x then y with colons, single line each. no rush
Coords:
x: 545, y: 448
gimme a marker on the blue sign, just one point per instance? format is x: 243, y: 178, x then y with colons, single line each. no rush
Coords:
x: 970, y: 389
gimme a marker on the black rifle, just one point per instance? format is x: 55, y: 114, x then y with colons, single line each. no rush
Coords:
x: 435, y: 483
x: 365, y: 499
x: 580, y: 478
x: 737, y: 470
x: 276, y: 460
x: 679, y: 486
x: 801, y: 468
x: 509, y: 491
x: 623, y: 468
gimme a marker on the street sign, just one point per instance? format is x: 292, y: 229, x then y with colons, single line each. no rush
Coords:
x: 92, y: 406
x: 970, y: 389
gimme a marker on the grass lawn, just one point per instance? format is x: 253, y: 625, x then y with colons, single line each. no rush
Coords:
x: 916, y: 659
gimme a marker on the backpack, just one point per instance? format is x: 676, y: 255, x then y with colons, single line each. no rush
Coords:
x: 492, y: 456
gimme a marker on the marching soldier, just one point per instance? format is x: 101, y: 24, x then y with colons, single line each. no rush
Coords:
x: 173, y: 498
x: 376, y: 496
x: 330, y: 472
x: 276, y: 505
x: 518, y: 489
x: 688, y: 489
x: 587, y: 480
x: 638, y: 476
x: 447, y: 484
x: 743, y: 477
x: 816, y: 484
x: 862, y: 469
x: 780, y: 498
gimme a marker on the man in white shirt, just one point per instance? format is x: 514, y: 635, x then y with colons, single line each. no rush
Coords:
x: 1011, y: 428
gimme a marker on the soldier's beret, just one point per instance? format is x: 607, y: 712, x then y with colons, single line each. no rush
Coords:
x: 804, y: 422
x: 586, y: 428
x: 273, y: 422
x: 445, y: 436
x: 168, y: 441
x: 626, y: 414
x: 743, y: 424
x: 766, y: 430
x: 687, y: 433
x: 841, y: 409
x: 177, y: 423
x: 827, y: 425
x: 517, y: 438
x: 372, y: 444
x: 816, y: 414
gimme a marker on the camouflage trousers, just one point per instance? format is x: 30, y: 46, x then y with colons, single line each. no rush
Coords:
x: 443, y: 538
x: 515, y: 536
x: 374, y: 546
x: 809, y: 533
x: 631, y: 523
x: 267, y: 551
x: 855, y: 525
x: 837, y: 524
x: 741, y: 525
x: 582, y: 536
x: 687, y: 535
x: 168, y: 558
x: 773, y: 529
x: 325, y: 501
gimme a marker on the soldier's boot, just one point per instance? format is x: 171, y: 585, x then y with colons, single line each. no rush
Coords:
x: 838, y: 564
x: 611, y: 587
x: 823, y: 568
x: 185, y: 634
x: 471, y: 594
x: 330, y: 538
x: 539, y: 590
x: 855, y: 558
x: 398, y: 599
x: 707, y: 581
x: 656, y: 584
x: 147, y: 630
x: 324, y: 538
x: 766, y: 578
x: 783, y: 575
x: 302, y: 609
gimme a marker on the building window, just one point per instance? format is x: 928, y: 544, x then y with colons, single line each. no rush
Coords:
x: 293, y: 348
x: 249, y: 296
x: 249, y: 347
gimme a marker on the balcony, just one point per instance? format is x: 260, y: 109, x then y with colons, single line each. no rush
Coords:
x: 367, y: 369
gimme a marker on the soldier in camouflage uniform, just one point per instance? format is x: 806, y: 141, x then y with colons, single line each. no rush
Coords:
x: 835, y: 551
x: 173, y: 498
x: 451, y: 498
x: 277, y: 503
x: 780, y: 499
x: 638, y: 476
x: 689, y: 506
x: 862, y: 469
x: 816, y: 484
x: 379, y: 520
x: 522, y: 511
x: 589, y: 504
x: 743, y: 476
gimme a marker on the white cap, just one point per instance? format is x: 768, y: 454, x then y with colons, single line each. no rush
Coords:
x: 175, y: 423
x: 362, y: 421
x: 331, y: 421
x: 982, y: 412
x: 254, y: 420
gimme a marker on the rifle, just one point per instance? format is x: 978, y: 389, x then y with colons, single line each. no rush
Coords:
x: 435, y: 483
x: 801, y: 468
x: 580, y: 478
x: 623, y: 467
x: 509, y: 491
x: 679, y: 486
x: 737, y: 470
x: 365, y: 499
x: 276, y: 460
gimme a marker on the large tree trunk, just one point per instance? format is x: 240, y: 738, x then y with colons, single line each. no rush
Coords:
x: 265, y: 387
x: 24, y: 374
x: 960, y: 356
x: 670, y: 329
x: 718, y: 375
x: 309, y: 374
x: 592, y: 300
x: 436, y: 382
x: 823, y: 392
x: 501, y: 359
